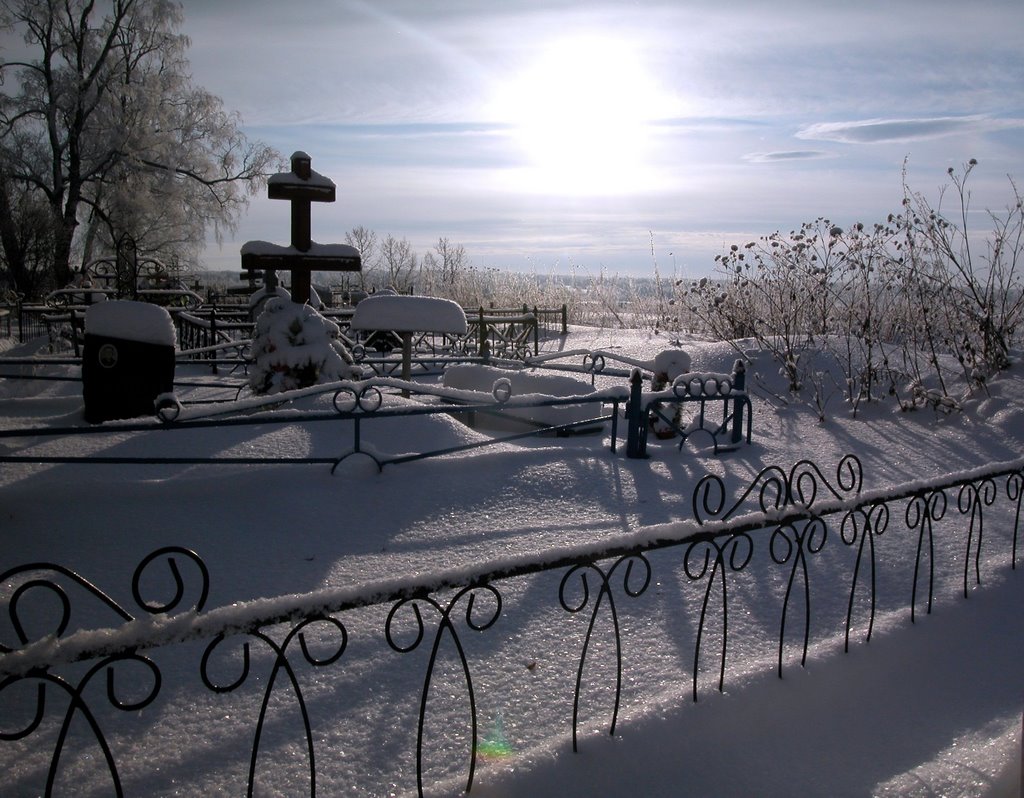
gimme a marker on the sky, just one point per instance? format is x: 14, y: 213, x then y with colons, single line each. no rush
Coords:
x: 562, y: 136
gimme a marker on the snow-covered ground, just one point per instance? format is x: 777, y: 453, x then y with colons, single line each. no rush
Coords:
x: 933, y: 708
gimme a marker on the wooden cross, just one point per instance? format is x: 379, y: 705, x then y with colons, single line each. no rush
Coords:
x: 301, y: 186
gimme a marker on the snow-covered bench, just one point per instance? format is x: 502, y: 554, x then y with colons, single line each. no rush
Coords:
x: 407, y: 315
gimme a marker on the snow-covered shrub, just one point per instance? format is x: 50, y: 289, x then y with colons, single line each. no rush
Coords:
x: 296, y: 347
x: 775, y: 290
x: 917, y: 300
x: 984, y: 280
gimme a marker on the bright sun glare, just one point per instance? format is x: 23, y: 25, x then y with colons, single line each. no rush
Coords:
x: 582, y: 113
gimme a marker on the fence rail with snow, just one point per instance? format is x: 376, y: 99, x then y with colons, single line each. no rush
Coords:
x: 295, y: 680
x: 354, y: 404
x: 530, y: 405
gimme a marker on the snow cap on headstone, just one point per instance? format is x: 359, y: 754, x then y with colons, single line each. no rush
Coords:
x: 131, y: 321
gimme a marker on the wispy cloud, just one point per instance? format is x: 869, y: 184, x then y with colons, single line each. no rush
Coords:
x: 786, y: 155
x: 398, y: 102
x: 873, y: 131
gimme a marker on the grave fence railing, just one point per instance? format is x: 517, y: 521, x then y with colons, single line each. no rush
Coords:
x: 353, y: 405
x: 364, y: 401
x: 505, y: 332
x: 65, y: 690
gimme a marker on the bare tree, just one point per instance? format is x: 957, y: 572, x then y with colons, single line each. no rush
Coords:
x: 102, y: 114
x: 365, y: 240
x: 451, y: 259
x: 398, y: 261
x: 444, y: 270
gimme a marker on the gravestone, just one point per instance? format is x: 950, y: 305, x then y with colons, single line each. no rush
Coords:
x: 127, y: 360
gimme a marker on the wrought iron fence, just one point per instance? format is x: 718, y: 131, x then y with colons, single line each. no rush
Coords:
x: 552, y: 321
x: 364, y: 401
x: 492, y: 334
x: 212, y: 327
x: 62, y: 327
x: 513, y: 336
x: 502, y: 332
x: 783, y: 524
x: 355, y: 402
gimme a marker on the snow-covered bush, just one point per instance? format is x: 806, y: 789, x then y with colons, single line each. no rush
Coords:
x: 984, y: 279
x: 296, y: 347
x: 917, y: 307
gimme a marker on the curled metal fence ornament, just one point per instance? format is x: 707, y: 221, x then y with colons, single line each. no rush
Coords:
x: 175, y: 604
x: 696, y: 386
x: 1015, y: 493
x: 793, y: 542
x: 770, y: 487
x: 47, y: 578
x: 445, y: 624
x: 972, y: 499
x: 806, y: 481
x: 358, y: 398
x: 796, y: 508
x: 604, y: 592
x: 32, y: 587
x: 502, y: 390
x: 775, y: 489
x: 79, y: 706
x: 922, y: 511
x: 281, y: 665
x: 245, y: 353
x: 167, y: 408
x: 860, y: 527
x: 594, y: 362
x: 740, y: 549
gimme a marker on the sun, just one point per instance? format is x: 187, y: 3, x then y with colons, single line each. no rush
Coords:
x: 581, y: 116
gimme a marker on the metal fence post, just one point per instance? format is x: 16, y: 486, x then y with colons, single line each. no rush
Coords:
x: 636, y: 419
x: 213, y: 335
x: 739, y: 383
x: 536, y: 332
x: 485, y: 344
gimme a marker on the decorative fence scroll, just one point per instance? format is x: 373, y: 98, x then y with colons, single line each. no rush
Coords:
x: 777, y: 530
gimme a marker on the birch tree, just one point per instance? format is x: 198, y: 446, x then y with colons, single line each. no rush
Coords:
x: 99, y: 117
